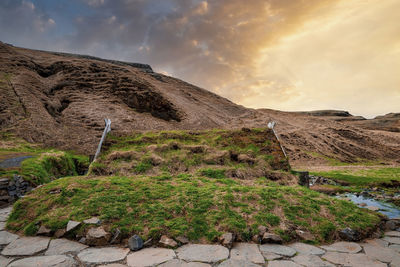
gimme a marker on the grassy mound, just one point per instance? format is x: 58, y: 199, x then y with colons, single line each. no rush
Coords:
x: 44, y: 165
x: 194, y: 184
x: 199, y: 207
x: 244, y: 154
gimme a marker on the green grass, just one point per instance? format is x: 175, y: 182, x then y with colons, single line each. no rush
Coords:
x: 365, y: 177
x: 45, y: 165
x: 194, y: 206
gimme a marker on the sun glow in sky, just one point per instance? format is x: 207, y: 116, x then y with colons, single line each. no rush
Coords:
x: 280, y: 54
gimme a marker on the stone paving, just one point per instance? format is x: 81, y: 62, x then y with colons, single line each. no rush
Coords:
x: 45, y: 252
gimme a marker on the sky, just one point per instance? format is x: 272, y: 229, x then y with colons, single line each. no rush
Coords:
x: 282, y: 54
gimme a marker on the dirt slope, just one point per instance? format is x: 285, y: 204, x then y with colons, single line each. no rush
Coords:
x: 61, y: 100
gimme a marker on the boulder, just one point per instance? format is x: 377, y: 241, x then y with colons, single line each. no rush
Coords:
x: 182, y: 240
x: 72, y: 225
x: 227, y: 240
x: 167, y: 242
x: 262, y: 230
x: 306, y: 236
x: 59, y: 233
x: 271, y: 238
x: 93, y: 220
x: 43, y: 230
x: 97, y: 236
x: 135, y: 243
x: 349, y: 234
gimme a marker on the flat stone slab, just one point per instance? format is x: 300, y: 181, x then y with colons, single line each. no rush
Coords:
x: 45, y: 261
x: 181, y: 263
x: 4, y: 261
x: 395, y: 247
x: 393, y: 240
x: 393, y: 234
x: 103, y: 255
x: 377, y: 242
x: 26, y: 246
x: 302, y: 248
x: 2, y: 226
x: 3, y: 217
x: 269, y: 256
x: 113, y: 265
x: 347, y: 247
x: 237, y: 263
x: 278, y: 249
x: 350, y: 259
x: 150, y: 257
x: 311, y: 260
x: 203, y: 253
x: 247, y: 252
x: 6, y: 210
x: 6, y: 237
x: 283, y: 264
x: 383, y: 254
x: 64, y: 246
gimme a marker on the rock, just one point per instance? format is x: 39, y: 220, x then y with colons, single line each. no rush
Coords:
x: 346, y: 247
x: 150, y: 257
x: 377, y: 242
x: 26, y: 246
x: 97, y: 236
x: 391, y: 225
x: 182, y: 240
x: 72, y: 225
x: 351, y: 259
x: 247, y: 252
x: 181, y: 263
x: 167, y: 242
x: 395, y: 247
x: 278, y: 249
x: 373, y: 208
x: 113, y: 265
x: 302, y: 248
x: 256, y: 239
x: 271, y: 238
x: 269, y: 256
x: 63, y: 246
x: 45, y: 261
x: 43, y: 230
x: 4, y: 261
x: 310, y: 260
x: 202, y: 253
x: 237, y: 263
x: 226, y: 240
x: 3, y: 217
x: 135, y: 243
x: 379, y: 253
x: 363, y: 204
x: 93, y: 220
x: 262, y: 230
x: 349, y: 234
x: 283, y: 264
x: 393, y: 234
x: 82, y: 240
x: 6, y: 238
x: 393, y: 240
x: 2, y: 226
x: 304, y: 235
x: 59, y: 233
x: 102, y: 255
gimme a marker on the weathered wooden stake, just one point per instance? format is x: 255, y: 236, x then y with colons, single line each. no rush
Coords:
x: 271, y: 125
x: 107, y: 129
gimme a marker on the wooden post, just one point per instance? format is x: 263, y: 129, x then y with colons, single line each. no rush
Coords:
x: 271, y: 125
x: 107, y: 129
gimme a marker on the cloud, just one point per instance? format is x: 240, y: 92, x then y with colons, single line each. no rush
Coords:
x: 280, y: 54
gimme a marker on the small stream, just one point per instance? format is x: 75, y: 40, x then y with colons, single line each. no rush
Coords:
x: 385, y: 208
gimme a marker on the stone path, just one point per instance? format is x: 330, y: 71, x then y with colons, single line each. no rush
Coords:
x: 42, y: 251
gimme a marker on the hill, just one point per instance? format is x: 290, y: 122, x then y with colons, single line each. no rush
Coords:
x: 61, y: 100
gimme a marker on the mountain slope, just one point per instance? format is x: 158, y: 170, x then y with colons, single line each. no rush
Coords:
x: 61, y: 100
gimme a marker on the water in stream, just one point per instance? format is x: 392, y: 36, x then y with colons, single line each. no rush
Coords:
x: 388, y: 209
